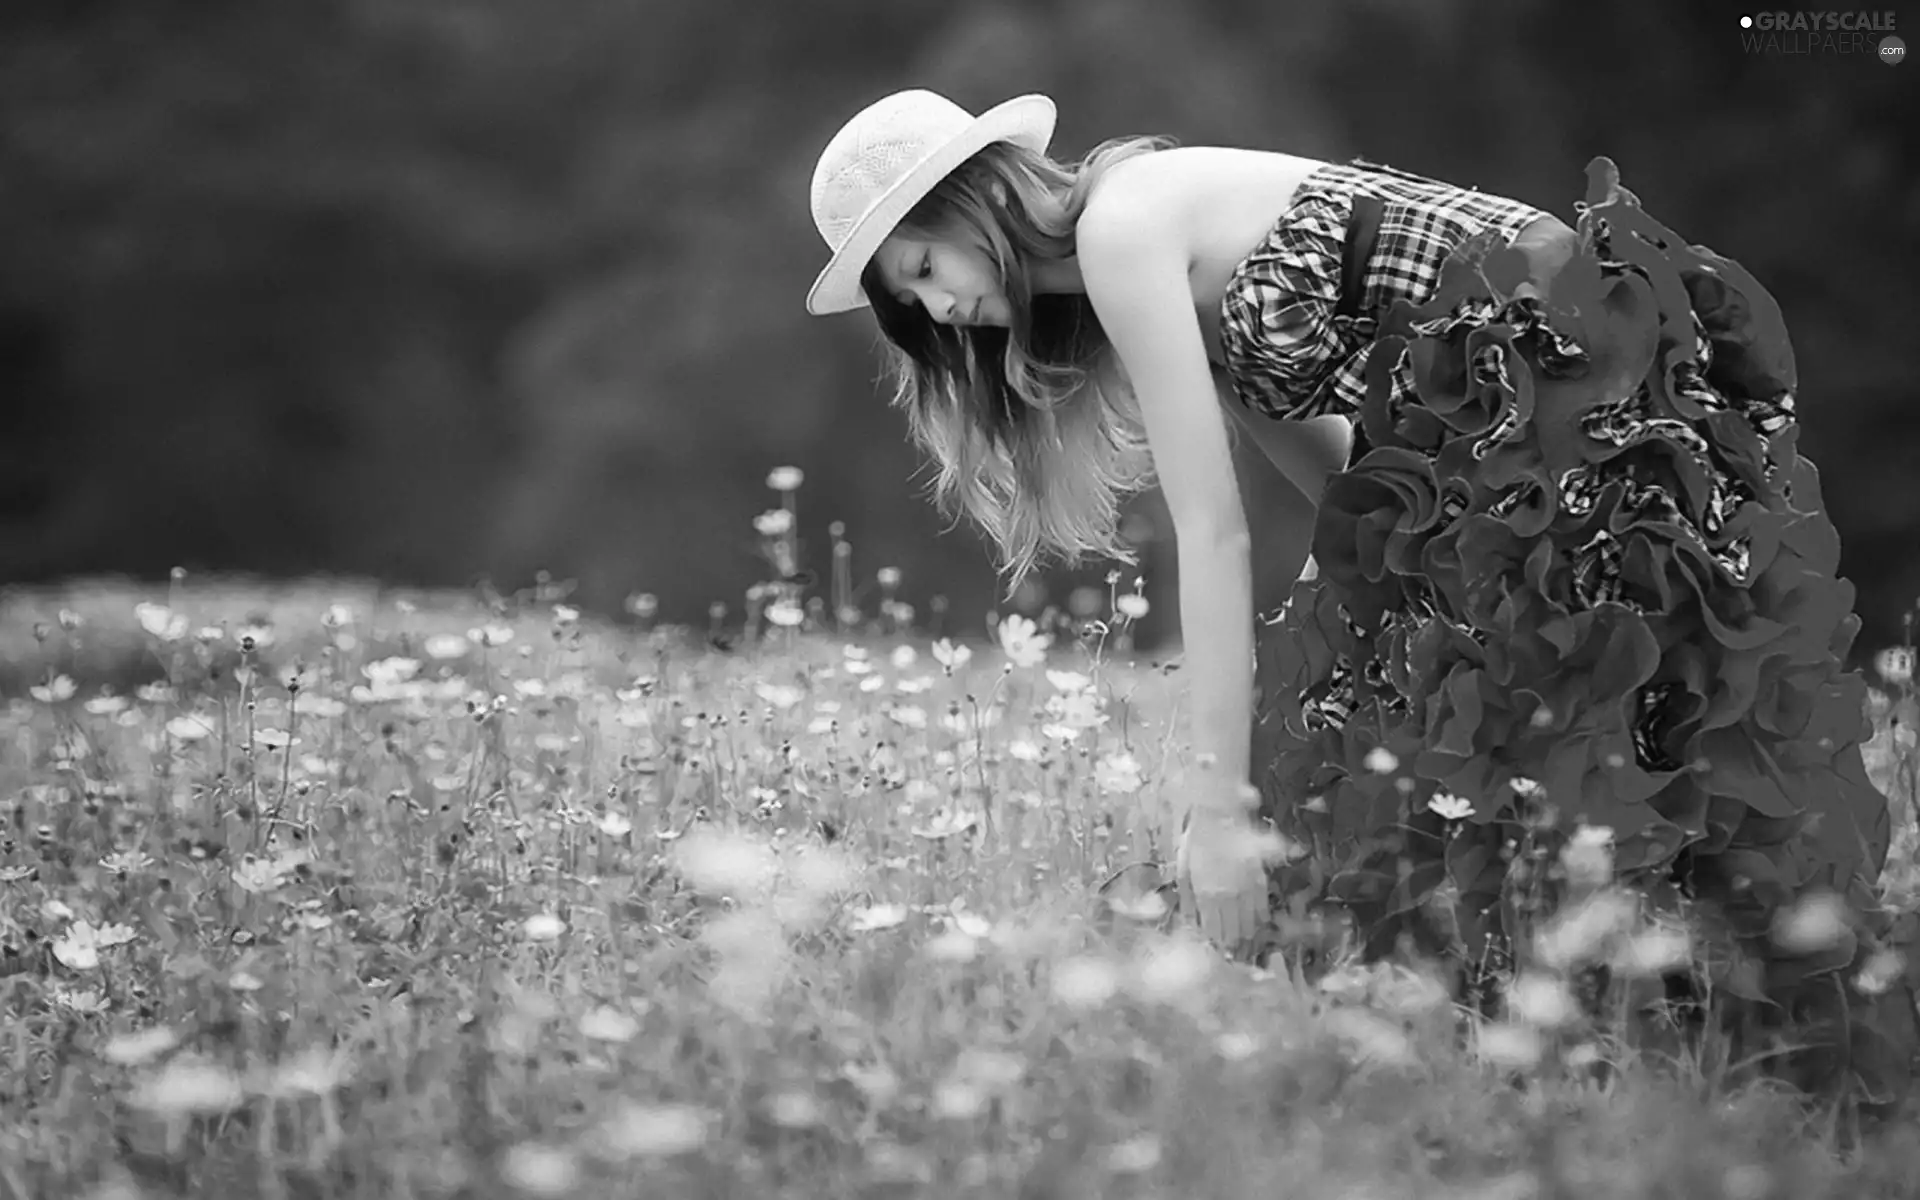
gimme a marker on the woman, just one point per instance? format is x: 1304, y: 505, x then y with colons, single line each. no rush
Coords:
x: 1568, y: 559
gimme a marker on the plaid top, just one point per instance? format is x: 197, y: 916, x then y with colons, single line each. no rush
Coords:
x: 1288, y: 354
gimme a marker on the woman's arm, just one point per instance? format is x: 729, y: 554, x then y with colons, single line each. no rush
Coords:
x: 1134, y: 265
x: 1306, y: 453
x: 1309, y: 452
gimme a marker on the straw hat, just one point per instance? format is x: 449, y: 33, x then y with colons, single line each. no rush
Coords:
x: 889, y: 156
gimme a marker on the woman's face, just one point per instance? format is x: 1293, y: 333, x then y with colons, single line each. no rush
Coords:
x: 954, y: 281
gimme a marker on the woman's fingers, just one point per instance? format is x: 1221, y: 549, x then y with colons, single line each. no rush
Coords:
x: 1209, y: 922
x: 1230, y: 921
x: 1250, y: 921
x: 1224, y: 913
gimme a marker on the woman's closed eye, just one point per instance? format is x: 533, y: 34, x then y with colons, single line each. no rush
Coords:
x: 920, y: 272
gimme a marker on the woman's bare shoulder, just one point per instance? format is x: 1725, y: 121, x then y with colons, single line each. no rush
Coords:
x: 1211, y: 194
x: 1210, y: 204
x: 1203, y: 176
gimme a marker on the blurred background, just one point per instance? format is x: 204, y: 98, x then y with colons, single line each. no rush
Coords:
x: 434, y: 290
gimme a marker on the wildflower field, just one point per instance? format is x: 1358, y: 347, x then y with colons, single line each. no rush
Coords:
x: 331, y: 891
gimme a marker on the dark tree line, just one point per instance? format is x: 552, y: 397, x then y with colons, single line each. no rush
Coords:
x: 432, y: 289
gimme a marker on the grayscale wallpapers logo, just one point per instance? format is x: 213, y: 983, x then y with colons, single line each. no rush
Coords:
x: 1823, y: 32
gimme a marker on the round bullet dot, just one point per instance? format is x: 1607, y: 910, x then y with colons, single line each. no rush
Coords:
x: 1746, y: 22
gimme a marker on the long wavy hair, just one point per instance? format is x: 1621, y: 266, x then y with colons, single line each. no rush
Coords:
x: 1032, y: 429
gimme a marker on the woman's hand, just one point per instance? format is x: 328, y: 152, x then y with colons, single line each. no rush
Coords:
x: 1548, y: 244
x: 1221, y: 869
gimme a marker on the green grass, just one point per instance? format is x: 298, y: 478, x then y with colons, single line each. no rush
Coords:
x: 666, y: 921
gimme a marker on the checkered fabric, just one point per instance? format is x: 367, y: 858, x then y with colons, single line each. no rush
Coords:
x: 1288, y: 353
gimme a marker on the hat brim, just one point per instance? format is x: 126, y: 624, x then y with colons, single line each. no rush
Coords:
x: 1024, y: 120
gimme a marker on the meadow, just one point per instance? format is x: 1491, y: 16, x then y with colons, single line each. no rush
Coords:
x: 330, y: 890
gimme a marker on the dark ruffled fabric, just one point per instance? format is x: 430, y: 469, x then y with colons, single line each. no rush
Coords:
x: 1587, y: 556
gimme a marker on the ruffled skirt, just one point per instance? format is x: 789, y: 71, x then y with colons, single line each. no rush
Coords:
x: 1583, y: 571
